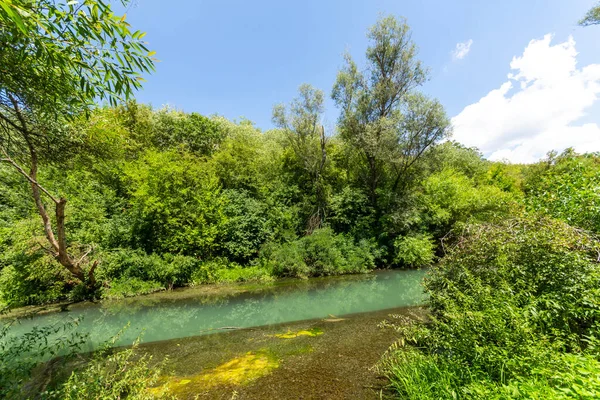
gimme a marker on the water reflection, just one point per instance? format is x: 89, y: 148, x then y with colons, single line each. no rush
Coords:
x: 193, y: 312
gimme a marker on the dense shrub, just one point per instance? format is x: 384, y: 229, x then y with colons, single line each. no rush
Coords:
x: 351, y: 213
x: 321, y: 253
x: 221, y: 270
x: 124, y: 267
x: 567, y: 187
x: 514, y: 306
x: 28, y: 275
x: 176, y: 203
x: 449, y: 197
x: 414, y: 250
x: 245, y: 228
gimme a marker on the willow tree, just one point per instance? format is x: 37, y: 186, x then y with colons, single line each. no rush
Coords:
x: 383, y: 116
x: 56, y: 60
x: 305, y: 134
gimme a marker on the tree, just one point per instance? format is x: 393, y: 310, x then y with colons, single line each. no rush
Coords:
x: 306, y: 137
x: 592, y: 17
x: 566, y: 186
x: 383, y: 117
x: 56, y: 60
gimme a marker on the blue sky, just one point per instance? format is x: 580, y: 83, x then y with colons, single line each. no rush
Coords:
x: 239, y: 58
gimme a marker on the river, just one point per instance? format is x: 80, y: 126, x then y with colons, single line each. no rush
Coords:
x: 316, y: 338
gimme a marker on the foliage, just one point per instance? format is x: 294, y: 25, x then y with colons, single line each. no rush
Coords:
x: 306, y: 138
x: 147, y: 272
x: 193, y: 132
x: 246, y: 226
x: 508, y: 177
x: 592, y: 17
x: 449, y: 198
x: 58, y: 58
x: 113, y: 375
x: 52, y: 350
x: 220, y: 270
x: 414, y: 250
x: 27, y: 274
x: 321, y: 253
x: 385, y: 119
x: 21, y: 354
x: 351, y: 213
x: 82, y: 51
x: 176, y: 202
x: 514, y: 306
x: 566, y: 186
x: 453, y: 155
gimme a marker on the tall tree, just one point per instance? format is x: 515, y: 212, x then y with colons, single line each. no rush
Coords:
x: 383, y: 117
x: 56, y: 60
x: 306, y: 136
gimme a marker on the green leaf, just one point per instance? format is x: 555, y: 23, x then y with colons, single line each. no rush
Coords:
x: 14, y: 15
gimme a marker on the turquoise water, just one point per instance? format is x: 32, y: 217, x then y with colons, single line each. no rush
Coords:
x: 192, y: 312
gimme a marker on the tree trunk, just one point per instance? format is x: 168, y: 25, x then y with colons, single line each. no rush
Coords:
x: 58, y: 242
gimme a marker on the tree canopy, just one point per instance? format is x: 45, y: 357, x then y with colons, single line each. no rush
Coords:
x: 57, y: 60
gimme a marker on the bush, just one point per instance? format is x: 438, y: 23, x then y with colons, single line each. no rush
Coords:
x: 243, y: 274
x: 450, y: 198
x: 567, y: 187
x: 512, y: 305
x: 322, y: 253
x: 28, y: 275
x: 129, y: 287
x: 112, y: 375
x: 288, y: 260
x: 176, y: 204
x: 220, y: 270
x: 128, y: 272
x: 246, y: 227
x: 106, y: 374
x: 415, y: 250
x: 21, y: 354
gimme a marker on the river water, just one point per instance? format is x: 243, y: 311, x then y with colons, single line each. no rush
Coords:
x: 204, y: 310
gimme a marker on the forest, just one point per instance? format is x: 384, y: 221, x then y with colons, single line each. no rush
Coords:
x: 102, y: 197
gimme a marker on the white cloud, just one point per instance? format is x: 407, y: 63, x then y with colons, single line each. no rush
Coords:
x: 462, y: 49
x: 535, y: 111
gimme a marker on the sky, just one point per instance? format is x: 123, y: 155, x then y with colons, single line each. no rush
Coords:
x: 517, y: 78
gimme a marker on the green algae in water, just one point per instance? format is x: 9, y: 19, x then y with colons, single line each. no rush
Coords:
x: 291, y: 335
x: 235, y: 372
